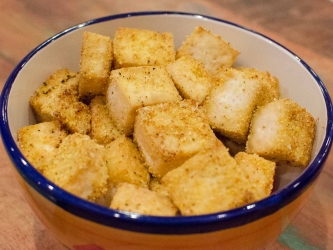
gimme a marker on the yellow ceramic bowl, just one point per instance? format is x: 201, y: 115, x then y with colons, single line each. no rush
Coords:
x: 80, y: 224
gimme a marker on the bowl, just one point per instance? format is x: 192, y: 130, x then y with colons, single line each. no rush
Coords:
x: 80, y: 224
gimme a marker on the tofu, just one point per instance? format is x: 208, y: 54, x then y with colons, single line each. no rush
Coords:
x: 135, y: 87
x: 209, y: 182
x: 103, y: 128
x: 211, y: 50
x: 49, y: 93
x: 136, y: 199
x: 282, y: 131
x: 39, y: 141
x: 231, y: 103
x: 57, y: 99
x: 190, y: 78
x: 74, y: 116
x: 79, y: 167
x: 95, y: 65
x: 140, y: 47
x: 125, y: 163
x: 270, y: 84
x: 168, y: 134
x: 259, y: 173
x: 156, y: 186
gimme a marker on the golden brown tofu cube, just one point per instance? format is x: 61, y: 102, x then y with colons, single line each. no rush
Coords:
x: 140, y: 47
x: 95, y: 65
x: 103, y: 129
x: 208, y: 48
x: 125, y: 163
x: 47, y: 95
x: 79, y: 167
x: 190, y: 78
x: 270, y: 85
x: 132, y: 88
x: 210, y: 181
x: 282, y: 131
x: 259, y: 173
x: 75, y: 117
x: 57, y: 99
x: 170, y: 133
x: 136, y: 199
x: 230, y: 104
x: 39, y: 141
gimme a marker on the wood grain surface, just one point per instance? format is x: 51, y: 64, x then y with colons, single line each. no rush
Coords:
x: 305, y: 27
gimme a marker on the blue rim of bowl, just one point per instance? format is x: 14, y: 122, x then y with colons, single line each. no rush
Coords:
x: 155, y: 224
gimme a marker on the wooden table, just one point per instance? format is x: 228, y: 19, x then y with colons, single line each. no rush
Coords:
x: 305, y: 27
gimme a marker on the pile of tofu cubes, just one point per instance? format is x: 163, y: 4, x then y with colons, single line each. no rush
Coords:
x: 148, y: 128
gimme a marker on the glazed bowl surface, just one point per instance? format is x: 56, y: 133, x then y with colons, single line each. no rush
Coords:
x: 80, y: 224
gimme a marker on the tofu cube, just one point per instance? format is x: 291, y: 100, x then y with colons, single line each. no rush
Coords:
x: 74, y: 116
x: 168, y: 134
x: 208, y: 48
x: 39, y: 141
x: 135, y: 87
x: 95, y: 65
x: 136, y: 199
x: 57, y: 99
x: 270, y: 85
x: 125, y: 163
x: 209, y: 182
x: 230, y: 104
x: 259, y: 173
x: 282, y: 131
x: 62, y: 80
x: 190, y: 78
x: 140, y: 47
x: 103, y: 128
x: 79, y: 167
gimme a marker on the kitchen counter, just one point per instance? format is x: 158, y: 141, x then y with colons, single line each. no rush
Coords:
x: 305, y: 27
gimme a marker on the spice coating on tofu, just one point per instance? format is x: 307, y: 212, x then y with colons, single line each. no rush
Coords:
x: 38, y: 142
x: 57, y: 99
x: 135, y: 87
x: 208, y: 48
x: 140, y: 47
x: 231, y: 102
x: 269, y: 84
x: 136, y: 199
x: 103, y: 128
x: 209, y: 182
x: 169, y: 133
x: 283, y: 132
x: 79, y: 167
x: 191, y: 78
x: 259, y: 173
x: 95, y: 65
x: 125, y: 164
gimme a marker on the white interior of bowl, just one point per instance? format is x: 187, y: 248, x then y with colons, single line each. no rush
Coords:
x: 296, y: 82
